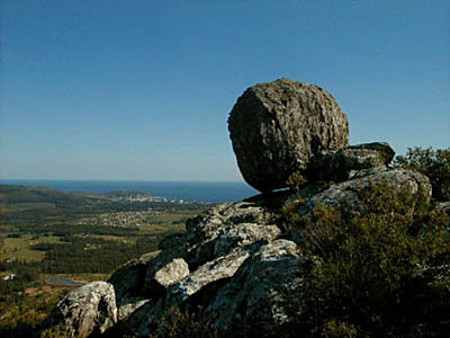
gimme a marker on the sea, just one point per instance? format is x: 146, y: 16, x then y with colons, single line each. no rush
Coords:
x: 214, y: 192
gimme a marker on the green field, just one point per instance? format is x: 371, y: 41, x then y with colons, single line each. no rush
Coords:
x: 19, y: 248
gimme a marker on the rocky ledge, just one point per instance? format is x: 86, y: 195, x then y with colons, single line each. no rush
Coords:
x: 235, y: 264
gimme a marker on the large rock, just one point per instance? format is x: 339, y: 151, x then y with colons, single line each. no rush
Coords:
x: 211, y: 272
x: 88, y: 310
x: 232, y: 268
x: 348, y: 193
x: 337, y: 165
x: 255, y: 296
x: 276, y: 129
x: 128, y: 280
x: 225, y: 227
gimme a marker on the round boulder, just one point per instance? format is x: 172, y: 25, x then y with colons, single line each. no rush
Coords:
x: 276, y: 128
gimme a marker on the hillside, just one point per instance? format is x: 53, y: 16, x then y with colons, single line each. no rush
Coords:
x: 17, y: 194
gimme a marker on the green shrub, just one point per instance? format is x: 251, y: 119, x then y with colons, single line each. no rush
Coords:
x: 371, y: 273
x: 433, y: 163
x: 24, y: 316
x: 296, y: 181
x: 184, y: 324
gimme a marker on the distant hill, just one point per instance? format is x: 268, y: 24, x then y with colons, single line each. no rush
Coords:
x: 17, y: 194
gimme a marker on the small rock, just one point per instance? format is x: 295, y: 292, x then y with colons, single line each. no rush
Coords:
x: 222, y: 224
x: 172, y: 272
x: 444, y: 206
x: 128, y: 305
x: 243, y: 234
x: 167, y: 269
x: 220, y: 268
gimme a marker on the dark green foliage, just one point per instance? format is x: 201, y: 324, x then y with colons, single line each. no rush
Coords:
x: 370, y: 274
x: 14, y: 194
x: 24, y: 316
x: 65, y: 229
x: 184, y: 324
x: 433, y: 163
x: 296, y: 181
x: 25, y: 275
x: 93, y: 255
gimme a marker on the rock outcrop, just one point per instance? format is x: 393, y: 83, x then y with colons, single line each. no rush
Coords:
x: 277, y: 128
x: 234, y: 264
x: 337, y: 166
x: 88, y: 310
x: 258, y: 288
x: 350, y: 193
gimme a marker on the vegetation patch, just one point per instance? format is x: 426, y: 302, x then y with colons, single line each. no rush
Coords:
x: 373, y: 273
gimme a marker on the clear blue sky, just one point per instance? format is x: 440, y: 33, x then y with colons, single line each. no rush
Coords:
x: 129, y: 89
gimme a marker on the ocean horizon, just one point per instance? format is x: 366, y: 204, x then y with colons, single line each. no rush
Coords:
x: 201, y: 191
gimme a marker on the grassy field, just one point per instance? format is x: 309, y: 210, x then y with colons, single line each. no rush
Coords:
x: 19, y: 247
x: 82, y: 278
x: 161, y: 228
x: 18, y: 207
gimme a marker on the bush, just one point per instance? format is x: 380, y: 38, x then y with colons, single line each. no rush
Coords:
x: 184, y: 324
x: 373, y: 273
x: 434, y: 164
x: 24, y: 316
x: 296, y: 181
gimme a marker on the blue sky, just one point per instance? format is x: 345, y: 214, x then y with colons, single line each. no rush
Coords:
x: 141, y: 90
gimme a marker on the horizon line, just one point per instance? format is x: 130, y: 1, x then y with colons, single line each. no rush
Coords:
x: 117, y: 180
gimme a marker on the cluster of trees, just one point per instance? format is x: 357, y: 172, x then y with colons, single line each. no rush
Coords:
x: 86, y: 254
x: 25, y: 274
x: 24, y: 316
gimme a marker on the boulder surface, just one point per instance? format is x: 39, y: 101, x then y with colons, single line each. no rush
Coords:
x: 276, y: 129
x: 338, y: 165
x: 88, y: 310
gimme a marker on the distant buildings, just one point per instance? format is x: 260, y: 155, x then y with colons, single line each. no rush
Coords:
x: 9, y: 277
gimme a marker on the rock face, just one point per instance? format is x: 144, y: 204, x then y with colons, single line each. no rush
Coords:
x: 349, y: 192
x: 337, y: 166
x: 258, y: 288
x: 176, y: 270
x: 194, y: 267
x: 88, y: 310
x: 276, y: 129
x: 232, y: 264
